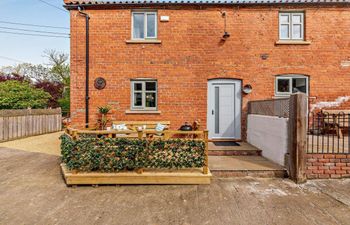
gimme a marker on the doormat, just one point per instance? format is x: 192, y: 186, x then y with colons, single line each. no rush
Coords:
x: 226, y: 143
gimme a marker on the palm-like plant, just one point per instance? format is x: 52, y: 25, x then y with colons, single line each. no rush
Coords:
x: 104, y: 110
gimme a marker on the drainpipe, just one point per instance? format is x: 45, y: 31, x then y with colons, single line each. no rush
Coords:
x: 87, y: 98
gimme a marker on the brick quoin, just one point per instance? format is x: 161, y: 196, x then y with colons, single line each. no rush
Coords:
x: 321, y: 170
x: 192, y: 52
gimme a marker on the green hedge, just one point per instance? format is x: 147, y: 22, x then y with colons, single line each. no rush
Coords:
x: 116, y: 154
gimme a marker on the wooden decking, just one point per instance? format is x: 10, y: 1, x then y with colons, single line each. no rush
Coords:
x: 180, y: 176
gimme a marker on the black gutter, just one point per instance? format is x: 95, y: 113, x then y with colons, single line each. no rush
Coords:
x: 87, y: 65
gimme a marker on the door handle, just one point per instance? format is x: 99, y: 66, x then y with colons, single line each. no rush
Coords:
x: 212, y: 112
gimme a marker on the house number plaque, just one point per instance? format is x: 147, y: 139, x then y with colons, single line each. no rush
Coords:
x: 100, y: 83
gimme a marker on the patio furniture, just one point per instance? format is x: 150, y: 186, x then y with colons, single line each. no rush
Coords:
x: 145, y: 125
x: 336, y: 120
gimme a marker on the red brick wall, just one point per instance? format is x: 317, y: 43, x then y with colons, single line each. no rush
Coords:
x: 322, y: 166
x: 192, y: 52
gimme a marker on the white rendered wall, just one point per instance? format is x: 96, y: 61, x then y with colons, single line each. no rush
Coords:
x: 269, y: 134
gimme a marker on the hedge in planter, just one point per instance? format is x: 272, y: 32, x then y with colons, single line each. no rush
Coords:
x: 100, y: 154
x: 173, y: 153
x: 116, y: 154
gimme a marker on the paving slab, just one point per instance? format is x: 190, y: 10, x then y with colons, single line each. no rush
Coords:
x: 32, y: 191
x: 242, y: 163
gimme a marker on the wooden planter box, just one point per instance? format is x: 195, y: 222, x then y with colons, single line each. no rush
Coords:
x: 180, y: 176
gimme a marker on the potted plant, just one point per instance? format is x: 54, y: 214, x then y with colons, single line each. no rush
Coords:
x: 104, y: 110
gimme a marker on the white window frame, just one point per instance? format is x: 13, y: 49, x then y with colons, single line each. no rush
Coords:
x: 143, y: 91
x: 290, y: 77
x: 145, y: 13
x: 290, y: 24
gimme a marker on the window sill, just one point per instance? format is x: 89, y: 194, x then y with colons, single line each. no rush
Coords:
x: 281, y: 96
x: 142, y: 112
x: 154, y: 41
x: 286, y: 42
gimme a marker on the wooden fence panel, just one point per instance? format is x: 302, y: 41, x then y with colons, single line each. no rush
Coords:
x: 16, y: 124
x: 1, y: 130
x: 6, y: 128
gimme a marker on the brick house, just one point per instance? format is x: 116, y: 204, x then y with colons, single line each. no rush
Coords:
x: 182, y: 61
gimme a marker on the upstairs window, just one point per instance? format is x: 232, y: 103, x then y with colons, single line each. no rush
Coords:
x: 291, y: 26
x: 144, y: 94
x: 144, y: 25
x: 289, y: 84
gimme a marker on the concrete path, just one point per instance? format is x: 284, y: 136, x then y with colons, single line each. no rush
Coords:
x: 32, y: 191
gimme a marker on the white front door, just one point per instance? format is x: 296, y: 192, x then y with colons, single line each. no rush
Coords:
x: 224, y: 109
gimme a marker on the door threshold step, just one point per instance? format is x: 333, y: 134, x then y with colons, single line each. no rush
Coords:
x: 241, y: 166
x: 243, y: 149
x: 235, y: 152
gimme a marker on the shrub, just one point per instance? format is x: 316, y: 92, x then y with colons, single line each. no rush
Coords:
x: 6, y: 77
x: 21, y: 95
x: 55, y: 89
x: 64, y: 102
x: 116, y: 154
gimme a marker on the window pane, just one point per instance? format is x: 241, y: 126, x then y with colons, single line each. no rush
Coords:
x: 217, y: 110
x: 138, y: 26
x: 284, y: 18
x: 151, y: 100
x: 297, y: 31
x: 284, y: 31
x: 137, y: 99
x: 299, y: 85
x: 137, y: 87
x: 296, y: 18
x: 151, y: 25
x: 150, y: 86
x: 283, y: 85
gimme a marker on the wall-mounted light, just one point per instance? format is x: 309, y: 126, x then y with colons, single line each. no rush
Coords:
x: 226, y: 34
x: 247, y: 89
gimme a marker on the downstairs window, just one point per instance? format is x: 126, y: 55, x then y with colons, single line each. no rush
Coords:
x: 144, y: 95
x: 289, y: 84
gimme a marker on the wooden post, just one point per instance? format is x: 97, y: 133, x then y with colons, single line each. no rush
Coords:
x: 297, y: 146
x: 140, y: 134
x: 166, y: 135
x: 75, y: 135
x: 206, y: 159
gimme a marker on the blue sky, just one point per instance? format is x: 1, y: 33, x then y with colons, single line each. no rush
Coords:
x: 27, y: 48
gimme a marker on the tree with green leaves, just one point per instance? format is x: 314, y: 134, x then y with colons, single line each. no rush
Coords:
x: 56, y: 70
x: 59, y: 66
x: 53, y: 77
